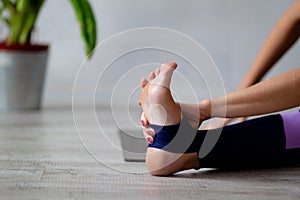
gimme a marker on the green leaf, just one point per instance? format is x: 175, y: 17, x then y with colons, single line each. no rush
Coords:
x: 32, y: 11
x: 86, y: 19
x: 22, y: 21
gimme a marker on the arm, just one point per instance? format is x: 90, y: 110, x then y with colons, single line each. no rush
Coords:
x: 282, y: 37
x: 276, y: 94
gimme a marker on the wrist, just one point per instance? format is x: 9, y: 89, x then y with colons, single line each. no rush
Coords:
x: 205, y: 110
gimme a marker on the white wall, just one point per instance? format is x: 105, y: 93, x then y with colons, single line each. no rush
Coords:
x: 231, y: 30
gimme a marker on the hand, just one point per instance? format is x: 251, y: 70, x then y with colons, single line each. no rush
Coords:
x: 189, y: 111
x: 149, y: 133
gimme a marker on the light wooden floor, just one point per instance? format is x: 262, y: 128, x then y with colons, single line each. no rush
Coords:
x: 42, y: 157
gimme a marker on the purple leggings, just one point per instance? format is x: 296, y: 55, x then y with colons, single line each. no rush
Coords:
x: 291, y: 124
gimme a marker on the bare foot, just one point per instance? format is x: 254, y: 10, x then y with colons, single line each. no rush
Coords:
x: 156, y: 99
x: 160, y: 109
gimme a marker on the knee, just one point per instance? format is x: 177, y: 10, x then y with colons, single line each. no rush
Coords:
x: 163, y: 163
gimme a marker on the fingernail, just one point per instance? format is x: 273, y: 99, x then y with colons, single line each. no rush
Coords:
x: 143, y: 123
x: 150, y: 140
x: 151, y: 133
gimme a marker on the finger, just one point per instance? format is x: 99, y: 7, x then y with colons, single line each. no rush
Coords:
x: 151, y: 132
x: 148, y: 138
x: 144, y: 120
x: 149, y: 135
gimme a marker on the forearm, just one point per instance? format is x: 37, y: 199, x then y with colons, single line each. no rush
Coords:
x: 281, y: 38
x: 276, y: 94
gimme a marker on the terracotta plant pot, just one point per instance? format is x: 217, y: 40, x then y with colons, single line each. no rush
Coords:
x: 22, y: 73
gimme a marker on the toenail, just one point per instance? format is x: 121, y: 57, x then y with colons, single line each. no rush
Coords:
x: 143, y: 123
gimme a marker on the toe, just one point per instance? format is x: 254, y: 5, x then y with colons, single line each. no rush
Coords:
x: 157, y: 71
x: 152, y: 76
x: 168, y: 67
x: 144, y: 82
x: 172, y: 65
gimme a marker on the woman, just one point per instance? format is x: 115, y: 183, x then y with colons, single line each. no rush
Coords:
x: 270, y: 140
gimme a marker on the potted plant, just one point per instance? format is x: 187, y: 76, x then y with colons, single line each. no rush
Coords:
x: 22, y: 63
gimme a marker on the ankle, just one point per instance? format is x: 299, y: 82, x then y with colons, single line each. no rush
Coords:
x: 205, y: 110
x: 191, y: 161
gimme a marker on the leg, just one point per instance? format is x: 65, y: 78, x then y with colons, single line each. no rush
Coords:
x: 160, y: 108
x: 257, y: 142
x: 260, y: 142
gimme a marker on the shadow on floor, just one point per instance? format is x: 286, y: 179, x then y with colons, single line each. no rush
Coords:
x: 238, y: 173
